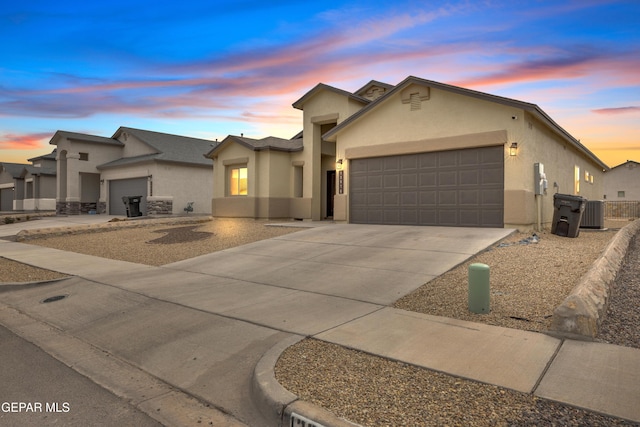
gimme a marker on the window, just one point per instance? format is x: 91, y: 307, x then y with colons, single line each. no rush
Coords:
x: 238, y: 181
x: 576, y: 180
x: 621, y: 194
x: 84, y: 156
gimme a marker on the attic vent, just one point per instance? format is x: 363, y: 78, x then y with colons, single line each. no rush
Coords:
x: 415, y: 101
x: 300, y: 421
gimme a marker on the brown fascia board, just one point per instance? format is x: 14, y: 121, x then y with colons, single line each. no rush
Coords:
x: 532, y: 108
x: 299, y: 104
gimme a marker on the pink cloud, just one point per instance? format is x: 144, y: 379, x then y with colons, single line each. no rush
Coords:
x: 9, y: 141
x: 617, y: 110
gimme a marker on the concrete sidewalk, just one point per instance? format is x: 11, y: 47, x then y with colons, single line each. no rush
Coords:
x: 202, y: 325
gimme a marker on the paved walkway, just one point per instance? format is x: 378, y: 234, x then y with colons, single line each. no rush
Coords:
x: 203, y: 324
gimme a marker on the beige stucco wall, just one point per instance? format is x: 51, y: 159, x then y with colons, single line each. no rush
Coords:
x: 269, y: 186
x: 541, y: 145
x: 323, y: 108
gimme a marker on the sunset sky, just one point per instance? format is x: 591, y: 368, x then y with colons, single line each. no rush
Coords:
x: 207, y: 69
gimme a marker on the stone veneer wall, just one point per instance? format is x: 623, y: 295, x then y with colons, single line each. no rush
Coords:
x: 68, y: 208
x: 159, y: 206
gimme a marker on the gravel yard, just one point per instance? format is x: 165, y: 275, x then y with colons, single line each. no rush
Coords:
x: 527, y: 281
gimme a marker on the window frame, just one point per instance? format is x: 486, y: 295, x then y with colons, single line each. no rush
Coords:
x: 234, y: 185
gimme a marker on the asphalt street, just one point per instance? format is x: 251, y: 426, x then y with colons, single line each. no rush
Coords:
x: 38, y: 390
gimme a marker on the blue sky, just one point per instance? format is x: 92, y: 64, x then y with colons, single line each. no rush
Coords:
x: 211, y: 68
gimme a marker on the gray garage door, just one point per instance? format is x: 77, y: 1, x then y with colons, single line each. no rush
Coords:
x: 6, y: 199
x: 126, y: 187
x: 448, y: 188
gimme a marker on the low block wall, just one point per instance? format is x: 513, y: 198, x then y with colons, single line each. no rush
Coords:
x: 581, y: 313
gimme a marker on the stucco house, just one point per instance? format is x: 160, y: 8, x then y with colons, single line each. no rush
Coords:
x: 29, y: 187
x: 167, y: 171
x: 420, y: 152
x: 622, y: 182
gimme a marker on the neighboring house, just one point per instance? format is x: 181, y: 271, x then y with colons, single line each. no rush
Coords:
x: 29, y: 187
x: 622, y: 182
x: 420, y: 152
x: 10, y: 188
x: 166, y: 171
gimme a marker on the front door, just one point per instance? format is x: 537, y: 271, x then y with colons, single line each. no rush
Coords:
x: 331, y: 192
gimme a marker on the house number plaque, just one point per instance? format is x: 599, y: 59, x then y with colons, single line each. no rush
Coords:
x: 340, y: 182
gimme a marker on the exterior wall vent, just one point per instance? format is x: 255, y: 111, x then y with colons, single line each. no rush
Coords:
x: 593, y: 215
x: 298, y: 420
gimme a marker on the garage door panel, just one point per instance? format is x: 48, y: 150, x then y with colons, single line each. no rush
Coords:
x: 469, y: 218
x: 469, y: 158
x: 408, y: 216
x: 408, y: 163
x: 470, y: 177
x: 492, y: 176
x: 428, y: 179
x: 427, y: 161
x: 375, y: 199
x: 358, y: 165
x: 391, y: 217
x: 470, y: 197
x: 391, y: 199
x: 448, y: 178
x: 448, y: 217
x: 374, y: 182
x: 428, y: 198
x: 458, y: 187
x: 6, y: 199
x: 392, y: 181
x: 428, y: 217
x: 448, y: 159
x: 448, y: 197
x: 127, y: 187
x: 409, y: 180
x: 409, y: 198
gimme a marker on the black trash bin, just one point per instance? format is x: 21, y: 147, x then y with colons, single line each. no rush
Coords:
x: 132, y: 203
x: 567, y: 214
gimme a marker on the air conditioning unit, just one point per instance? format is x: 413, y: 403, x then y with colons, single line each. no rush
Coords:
x: 593, y: 215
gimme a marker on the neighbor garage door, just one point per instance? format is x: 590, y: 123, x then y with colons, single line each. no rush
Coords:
x: 6, y: 199
x: 449, y: 188
x: 126, y: 187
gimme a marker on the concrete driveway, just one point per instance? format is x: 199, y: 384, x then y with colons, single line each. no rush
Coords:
x: 202, y: 324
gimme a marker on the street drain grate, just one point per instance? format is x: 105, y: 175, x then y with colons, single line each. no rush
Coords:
x: 54, y: 299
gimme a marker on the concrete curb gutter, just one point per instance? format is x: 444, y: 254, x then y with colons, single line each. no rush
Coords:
x: 278, y: 404
x: 10, y: 286
x: 581, y: 313
x: 25, y: 235
x: 166, y: 404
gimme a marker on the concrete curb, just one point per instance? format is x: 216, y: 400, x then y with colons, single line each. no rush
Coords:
x: 10, y: 286
x: 278, y: 404
x: 25, y: 235
x: 581, y: 313
x: 166, y: 404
